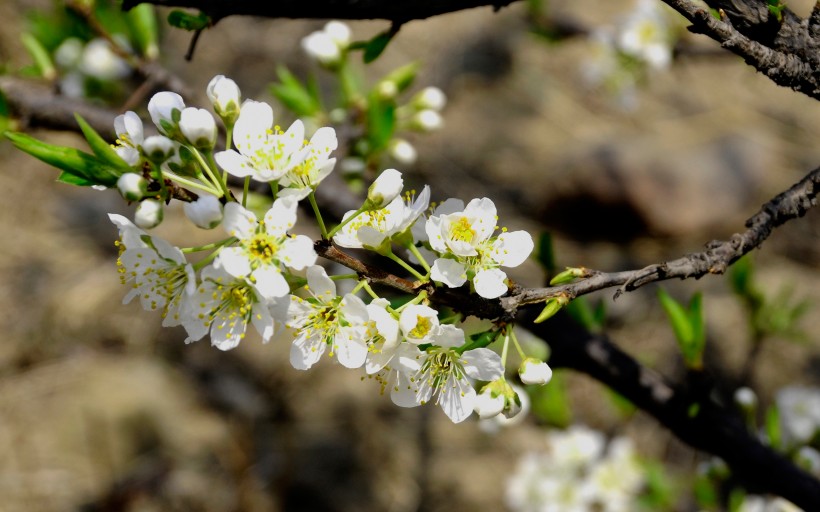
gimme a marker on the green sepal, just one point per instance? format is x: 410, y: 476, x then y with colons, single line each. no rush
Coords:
x: 100, y: 147
x: 294, y: 95
x: 188, y: 21
x: 90, y: 169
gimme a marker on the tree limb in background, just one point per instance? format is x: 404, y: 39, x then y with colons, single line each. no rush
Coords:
x: 788, y: 205
x: 392, y: 10
x: 691, y: 413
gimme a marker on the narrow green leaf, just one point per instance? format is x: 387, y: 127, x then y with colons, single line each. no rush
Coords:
x: 293, y: 94
x: 772, y: 428
x: 188, y: 21
x: 71, y: 179
x: 381, y: 121
x: 100, y: 147
x: 546, y: 253
x: 69, y: 160
x: 678, y: 316
x: 376, y: 46
x: 580, y: 311
x: 40, y: 55
x: 142, y: 20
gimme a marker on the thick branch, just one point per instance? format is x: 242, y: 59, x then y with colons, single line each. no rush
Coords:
x: 791, y: 204
x: 396, y: 11
x: 712, y: 428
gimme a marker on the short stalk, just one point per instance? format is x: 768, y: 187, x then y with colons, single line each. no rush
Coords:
x: 204, y: 187
x: 505, y: 349
x: 359, y: 286
x: 406, y: 266
x: 415, y: 252
x: 517, y: 345
x: 210, y: 172
x: 370, y: 291
x: 245, y: 191
x: 208, y: 247
x: 341, y: 277
x: 157, y: 172
x: 418, y: 299
x: 207, y: 259
x: 312, y: 199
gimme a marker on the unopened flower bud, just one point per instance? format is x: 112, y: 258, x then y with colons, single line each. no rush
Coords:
x: 534, y: 371
x: 158, y: 148
x: 490, y: 401
x: 386, y: 188
x: 205, y: 212
x: 198, y: 127
x: 338, y: 32
x: 402, y: 151
x: 745, y: 398
x: 132, y: 186
x: 387, y: 89
x: 428, y: 120
x: 322, y: 48
x: 100, y: 61
x: 166, y: 108
x: 430, y: 98
x: 149, y: 214
x: 225, y: 97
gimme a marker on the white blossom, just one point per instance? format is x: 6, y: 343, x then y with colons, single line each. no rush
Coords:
x: 402, y: 151
x: 157, y: 271
x: 158, y: 148
x: 264, y: 152
x: 431, y: 98
x: 325, y: 320
x: 468, y: 249
x: 265, y: 246
x: 99, y: 61
x: 313, y: 167
x: 130, y: 135
x: 327, y: 46
x: 224, y: 305
x: 799, y: 409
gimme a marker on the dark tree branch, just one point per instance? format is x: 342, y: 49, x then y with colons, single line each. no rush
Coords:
x: 691, y: 413
x: 788, y: 205
x: 392, y: 10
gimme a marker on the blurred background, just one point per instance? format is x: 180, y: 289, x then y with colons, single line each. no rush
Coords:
x: 102, y: 409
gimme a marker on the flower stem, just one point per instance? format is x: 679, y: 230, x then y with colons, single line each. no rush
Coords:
x: 205, y: 187
x: 370, y: 291
x: 359, y: 286
x: 504, y: 350
x: 312, y: 199
x: 418, y: 299
x: 245, y: 191
x: 157, y: 171
x: 415, y: 251
x: 406, y: 266
x: 343, y: 276
x: 208, y: 247
x: 210, y: 172
x: 515, y: 342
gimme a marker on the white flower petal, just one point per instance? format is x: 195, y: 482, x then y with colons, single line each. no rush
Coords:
x: 512, y: 249
x: 298, y: 253
x: 270, y: 282
x: 234, y: 261
x: 483, y: 364
x: 448, y: 271
x: 490, y: 283
x: 238, y: 221
x: 320, y: 284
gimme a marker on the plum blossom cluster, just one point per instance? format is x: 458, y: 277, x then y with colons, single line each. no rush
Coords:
x: 262, y: 274
x: 624, y: 53
x: 578, y: 470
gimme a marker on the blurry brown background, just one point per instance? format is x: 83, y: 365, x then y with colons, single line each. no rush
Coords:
x: 102, y: 409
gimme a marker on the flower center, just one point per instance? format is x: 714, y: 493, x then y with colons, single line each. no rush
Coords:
x: 462, y: 230
x: 422, y: 328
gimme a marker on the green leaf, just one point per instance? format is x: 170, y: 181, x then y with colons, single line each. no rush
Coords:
x: 381, y: 122
x: 100, y: 147
x: 188, y: 21
x: 678, y: 316
x: 698, y: 329
x: 71, y: 179
x: 294, y: 95
x: 40, y: 55
x: 580, y: 311
x: 142, y: 20
x: 375, y: 47
x: 72, y: 161
x: 772, y: 428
